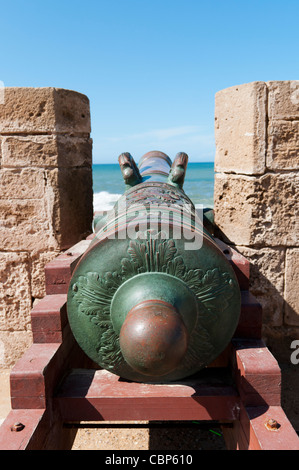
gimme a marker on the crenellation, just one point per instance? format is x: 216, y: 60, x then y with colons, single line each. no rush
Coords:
x: 45, y: 196
x: 44, y: 111
x: 283, y: 100
x: 258, y: 213
x: 240, y: 129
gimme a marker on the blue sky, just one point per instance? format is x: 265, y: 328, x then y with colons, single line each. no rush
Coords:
x: 150, y: 68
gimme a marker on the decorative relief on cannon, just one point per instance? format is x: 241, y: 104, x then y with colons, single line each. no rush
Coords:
x: 140, y: 304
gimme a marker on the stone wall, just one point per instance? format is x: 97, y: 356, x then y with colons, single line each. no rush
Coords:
x: 45, y: 198
x: 256, y: 196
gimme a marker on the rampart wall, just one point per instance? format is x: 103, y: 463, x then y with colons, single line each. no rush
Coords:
x: 256, y: 196
x: 45, y: 198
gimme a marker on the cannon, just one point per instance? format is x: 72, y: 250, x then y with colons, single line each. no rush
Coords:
x: 153, y: 299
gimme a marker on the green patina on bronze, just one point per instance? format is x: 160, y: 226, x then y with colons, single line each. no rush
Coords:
x: 182, y: 305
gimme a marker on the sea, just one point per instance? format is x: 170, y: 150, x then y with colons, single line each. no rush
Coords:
x: 108, y: 184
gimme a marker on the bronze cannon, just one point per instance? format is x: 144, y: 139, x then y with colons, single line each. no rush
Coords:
x: 153, y: 299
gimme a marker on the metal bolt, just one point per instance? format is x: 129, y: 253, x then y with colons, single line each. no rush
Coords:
x: 272, y: 425
x: 17, y: 427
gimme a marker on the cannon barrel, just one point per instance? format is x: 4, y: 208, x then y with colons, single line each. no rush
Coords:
x: 153, y: 299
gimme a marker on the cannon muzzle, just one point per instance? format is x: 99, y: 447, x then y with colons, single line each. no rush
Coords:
x: 153, y: 299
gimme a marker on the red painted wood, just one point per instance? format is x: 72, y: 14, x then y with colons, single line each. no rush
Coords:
x: 36, y: 374
x: 58, y: 272
x: 100, y: 395
x: 27, y: 378
x: 253, y: 421
x: 30, y: 436
x: 48, y: 318
x: 250, y: 323
x: 256, y: 373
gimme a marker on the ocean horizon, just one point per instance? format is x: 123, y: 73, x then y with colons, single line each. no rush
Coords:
x: 108, y: 184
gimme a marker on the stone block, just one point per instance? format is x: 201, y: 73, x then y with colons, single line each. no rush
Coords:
x: 71, y: 196
x: 257, y: 211
x: 26, y: 225
x: 291, y: 287
x: 283, y: 100
x: 240, y: 129
x: 21, y: 183
x: 15, y: 291
x: 266, y: 281
x: 283, y: 145
x: 38, y: 263
x: 12, y: 346
x: 44, y: 110
x: 46, y: 151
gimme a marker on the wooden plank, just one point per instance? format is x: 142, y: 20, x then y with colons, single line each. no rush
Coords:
x: 99, y: 395
x: 256, y: 372
x: 250, y: 322
x: 253, y: 421
x: 48, y: 318
x: 35, y: 375
x: 58, y: 272
x: 30, y: 436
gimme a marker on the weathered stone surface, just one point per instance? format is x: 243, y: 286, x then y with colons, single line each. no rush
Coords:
x: 240, y: 129
x: 283, y: 100
x: 26, y: 225
x: 291, y: 287
x: 71, y: 216
x: 15, y: 291
x: 283, y: 145
x: 267, y: 280
x: 46, y: 151
x: 37, y: 271
x: 21, y: 183
x: 43, y: 110
x: 13, y: 345
x: 233, y: 216
x: 259, y: 211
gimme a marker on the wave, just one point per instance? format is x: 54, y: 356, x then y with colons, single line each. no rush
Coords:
x: 104, y: 201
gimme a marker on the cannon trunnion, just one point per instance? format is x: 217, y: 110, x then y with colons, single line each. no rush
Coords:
x: 153, y: 299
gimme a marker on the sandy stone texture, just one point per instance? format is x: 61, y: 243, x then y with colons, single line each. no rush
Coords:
x: 70, y: 197
x: 44, y: 110
x: 257, y: 211
x: 240, y: 129
x: 24, y: 183
x: 291, y: 287
x: 283, y: 100
x: 46, y: 200
x: 46, y: 151
x: 38, y: 261
x: 15, y: 291
x: 267, y: 280
x: 283, y: 145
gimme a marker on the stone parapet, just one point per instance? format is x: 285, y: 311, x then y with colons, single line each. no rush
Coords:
x: 256, y: 198
x: 240, y: 129
x: 46, y: 199
x: 44, y: 111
